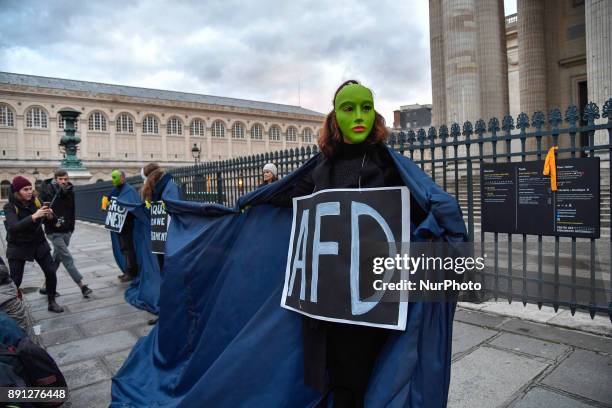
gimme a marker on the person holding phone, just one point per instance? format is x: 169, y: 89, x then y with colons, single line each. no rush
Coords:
x: 26, y: 239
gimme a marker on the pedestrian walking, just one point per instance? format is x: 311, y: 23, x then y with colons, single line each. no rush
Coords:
x: 58, y: 192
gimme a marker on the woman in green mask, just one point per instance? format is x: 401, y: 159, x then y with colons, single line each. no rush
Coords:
x: 353, y: 156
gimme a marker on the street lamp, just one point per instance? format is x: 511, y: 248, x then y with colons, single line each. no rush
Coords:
x: 69, y: 142
x: 195, y: 153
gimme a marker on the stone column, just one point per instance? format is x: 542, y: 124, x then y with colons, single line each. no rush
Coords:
x: 113, y: 143
x: 598, y: 16
x: 21, y: 142
x: 138, y: 130
x: 532, y: 59
x: 492, y: 59
x: 208, y: 136
x: 54, y: 137
x: 83, y: 130
x: 461, y: 66
x: 438, y: 83
x: 164, y: 142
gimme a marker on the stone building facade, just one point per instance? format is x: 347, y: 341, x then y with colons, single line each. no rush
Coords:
x: 552, y: 53
x: 126, y: 127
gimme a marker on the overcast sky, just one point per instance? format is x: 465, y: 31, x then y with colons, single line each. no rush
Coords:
x: 264, y: 50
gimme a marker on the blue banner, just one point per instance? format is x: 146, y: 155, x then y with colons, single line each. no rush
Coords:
x: 222, y: 338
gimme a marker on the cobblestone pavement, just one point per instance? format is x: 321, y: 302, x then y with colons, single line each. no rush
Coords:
x: 499, y: 360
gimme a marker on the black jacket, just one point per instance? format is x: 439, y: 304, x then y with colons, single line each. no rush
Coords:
x: 62, y: 204
x: 25, y: 237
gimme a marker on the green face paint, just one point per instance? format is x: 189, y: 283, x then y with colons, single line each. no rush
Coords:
x: 116, y: 178
x: 354, y: 107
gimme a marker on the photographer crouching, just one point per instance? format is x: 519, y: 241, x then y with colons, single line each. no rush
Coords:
x: 58, y: 193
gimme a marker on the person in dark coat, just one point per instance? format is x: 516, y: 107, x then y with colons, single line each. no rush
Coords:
x: 126, y: 236
x: 339, y: 358
x: 58, y: 192
x: 155, y: 182
x: 26, y: 239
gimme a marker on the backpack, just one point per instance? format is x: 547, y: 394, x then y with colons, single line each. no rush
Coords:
x: 9, y: 378
x: 40, y: 368
x: 29, y: 365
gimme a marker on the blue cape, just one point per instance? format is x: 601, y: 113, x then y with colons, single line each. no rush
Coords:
x: 223, y: 340
x: 143, y: 291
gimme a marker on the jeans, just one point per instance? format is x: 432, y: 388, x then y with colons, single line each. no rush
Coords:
x: 61, y: 254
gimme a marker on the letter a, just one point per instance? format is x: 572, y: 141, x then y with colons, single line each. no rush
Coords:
x: 299, y: 259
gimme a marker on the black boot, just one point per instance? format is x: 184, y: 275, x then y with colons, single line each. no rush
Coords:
x: 53, y: 306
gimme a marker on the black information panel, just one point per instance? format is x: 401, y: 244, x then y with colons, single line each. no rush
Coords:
x: 517, y: 198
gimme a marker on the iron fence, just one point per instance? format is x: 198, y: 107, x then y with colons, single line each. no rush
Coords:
x: 569, y: 272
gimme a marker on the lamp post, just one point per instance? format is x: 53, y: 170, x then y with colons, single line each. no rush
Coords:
x: 70, y: 141
x: 195, y: 153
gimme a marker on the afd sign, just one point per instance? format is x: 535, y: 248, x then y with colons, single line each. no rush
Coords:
x: 334, y: 238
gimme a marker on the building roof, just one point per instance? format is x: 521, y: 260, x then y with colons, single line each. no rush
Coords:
x: 415, y: 106
x: 110, y: 89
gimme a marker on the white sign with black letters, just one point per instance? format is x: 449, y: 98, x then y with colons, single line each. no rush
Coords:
x: 334, y: 236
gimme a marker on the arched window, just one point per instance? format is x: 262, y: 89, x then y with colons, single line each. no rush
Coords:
x: 125, y: 123
x: 36, y: 118
x: 275, y: 133
x: 307, y: 137
x: 61, y: 123
x: 150, y: 125
x: 238, y: 131
x: 5, y: 189
x: 174, y: 126
x: 292, y: 134
x: 99, y: 181
x: 197, y: 128
x: 256, y: 131
x: 97, y: 122
x: 7, y: 117
x: 218, y: 129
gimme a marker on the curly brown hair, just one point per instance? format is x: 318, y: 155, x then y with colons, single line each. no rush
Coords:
x: 331, y: 136
x: 153, y: 173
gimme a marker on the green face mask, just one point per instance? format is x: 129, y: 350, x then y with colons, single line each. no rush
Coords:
x: 116, y: 178
x: 354, y: 108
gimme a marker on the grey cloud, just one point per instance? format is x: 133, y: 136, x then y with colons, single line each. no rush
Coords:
x: 255, y: 49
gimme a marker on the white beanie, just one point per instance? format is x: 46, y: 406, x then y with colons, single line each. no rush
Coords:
x: 271, y: 168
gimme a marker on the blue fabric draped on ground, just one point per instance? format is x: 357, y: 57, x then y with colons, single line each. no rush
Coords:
x: 143, y: 291
x: 223, y: 340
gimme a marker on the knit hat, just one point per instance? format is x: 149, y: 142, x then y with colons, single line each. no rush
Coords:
x: 20, y: 182
x: 271, y: 167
